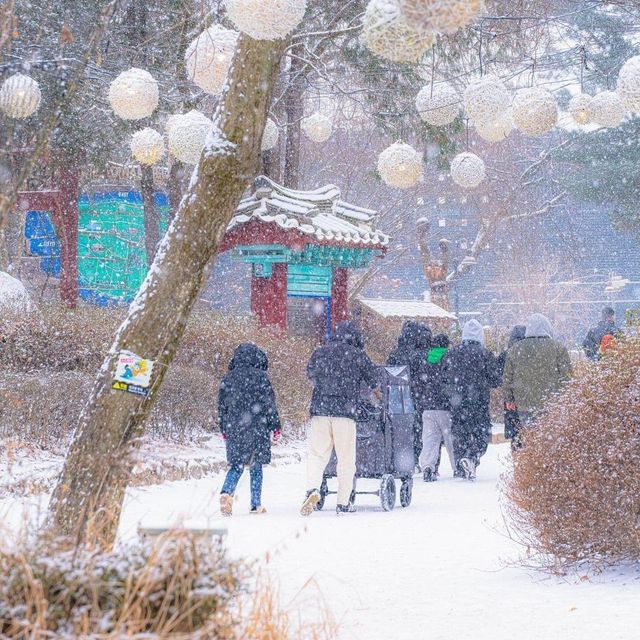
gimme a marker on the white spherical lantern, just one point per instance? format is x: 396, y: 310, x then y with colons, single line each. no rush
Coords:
x: 317, y: 127
x: 607, y: 109
x: 486, y: 99
x: 266, y: 19
x: 386, y: 33
x: 467, y: 170
x: 209, y: 57
x: 20, y: 96
x: 580, y: 108
x: 187, y: 135
x: 534, y: 111
x: 147, y: 146
x: 270, y: 136
x: 629, y: 84
x: 441, y: 108
x: 134, y: 94
x: 441, y: 16
x: 400, y: 165
x: 497, y: 130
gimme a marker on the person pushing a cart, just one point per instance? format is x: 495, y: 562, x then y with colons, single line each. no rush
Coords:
x: 338, y: 371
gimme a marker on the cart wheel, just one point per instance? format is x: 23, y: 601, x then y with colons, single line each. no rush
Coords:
x: 388, y: 492
x: 406, y: 492
x: 324, y: 491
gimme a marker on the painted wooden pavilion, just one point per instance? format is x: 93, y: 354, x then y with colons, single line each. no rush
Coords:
x: 301, y: 245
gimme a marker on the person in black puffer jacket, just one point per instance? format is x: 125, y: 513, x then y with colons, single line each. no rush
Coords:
x: 338, y: 371
x: 248, y: 417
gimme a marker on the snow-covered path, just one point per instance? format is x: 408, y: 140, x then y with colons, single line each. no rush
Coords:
x: 437, y: 570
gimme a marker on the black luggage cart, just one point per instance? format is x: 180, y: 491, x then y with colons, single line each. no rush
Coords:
x: 385, y: 443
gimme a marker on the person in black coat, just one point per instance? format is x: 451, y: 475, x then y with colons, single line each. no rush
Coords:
x: 339, y: 371
x: 511, y: 416
x: 471, y: 371
x: 248, y: 417
x: 593, y: 343
x: 414, y: 343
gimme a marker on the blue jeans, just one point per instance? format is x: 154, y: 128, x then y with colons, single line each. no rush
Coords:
x: 233, y: 477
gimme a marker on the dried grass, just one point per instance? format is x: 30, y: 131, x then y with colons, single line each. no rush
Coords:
x: 574, y: 491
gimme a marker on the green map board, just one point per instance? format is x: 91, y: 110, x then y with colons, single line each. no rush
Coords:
x: 112, y: 261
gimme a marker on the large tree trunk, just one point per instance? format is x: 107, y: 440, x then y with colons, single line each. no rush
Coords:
x: 66, y: 222
x: 295, y: 113
x: 88, y: 497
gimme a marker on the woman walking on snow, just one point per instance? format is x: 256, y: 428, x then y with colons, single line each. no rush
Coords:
x: 248, y: 418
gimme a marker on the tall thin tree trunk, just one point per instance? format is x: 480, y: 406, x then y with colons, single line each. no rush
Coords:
x: 151, y: 216
x: 295, y: 113
x: 67, y: 229
x: 88, y: 498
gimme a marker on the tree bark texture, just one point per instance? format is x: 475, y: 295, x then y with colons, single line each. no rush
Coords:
x: 66, y: 223
x: 295, y: 113
x: 88, y: 498
x: 151, y: 215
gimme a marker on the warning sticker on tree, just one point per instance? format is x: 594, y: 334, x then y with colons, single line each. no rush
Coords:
x: 133, y: 374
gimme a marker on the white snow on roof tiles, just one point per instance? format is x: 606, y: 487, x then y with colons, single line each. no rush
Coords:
x: 407, y: 309
x: 319, y: 213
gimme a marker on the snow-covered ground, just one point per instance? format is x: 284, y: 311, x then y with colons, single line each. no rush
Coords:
x: 440, y: 569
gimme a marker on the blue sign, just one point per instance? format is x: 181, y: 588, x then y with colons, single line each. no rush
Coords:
x: 44, y: 247
x: 38, y: 225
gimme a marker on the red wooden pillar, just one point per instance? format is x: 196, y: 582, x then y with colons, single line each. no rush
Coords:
x: 339, y: 296
x: 66, y: 222
x: 269, y: 298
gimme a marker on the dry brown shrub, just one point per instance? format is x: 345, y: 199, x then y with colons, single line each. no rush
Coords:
x: 574, y: 493
x: 49, y: 360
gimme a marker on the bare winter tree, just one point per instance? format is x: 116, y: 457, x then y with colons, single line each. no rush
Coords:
x: 88, y: 497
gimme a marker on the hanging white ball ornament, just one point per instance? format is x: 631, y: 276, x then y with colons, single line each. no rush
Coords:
x: 486, y: 99
x: 467, y: 170
x: 534, y: 111
x: 147, y: 146
x: 187, y: 135
x: 270, y: 135
x: 607, y: 109
x: 629, y: 84
x: 441, y: 108
x: 441, y: 16
x: 580, y: 108
x: 317, y: 127
x: 20, y: 96
x: 266, y: 19
x: 209, y: 57
x: 497, y: 130
x: 386, y: 33
x: 400, y: 165
x: 134, y: 94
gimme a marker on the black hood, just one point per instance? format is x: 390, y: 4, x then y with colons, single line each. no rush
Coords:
x: 408, y: 334
x: 249, y: 355
x: 348, y: 333
x: 517, y: 333
x: 423, y: 336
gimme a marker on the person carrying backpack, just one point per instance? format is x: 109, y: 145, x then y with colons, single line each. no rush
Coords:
x: 602, y: 337
x: 248, y: 418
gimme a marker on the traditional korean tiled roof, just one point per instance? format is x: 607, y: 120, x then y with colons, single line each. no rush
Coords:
x: 406, y: 309
x: 319, y: 213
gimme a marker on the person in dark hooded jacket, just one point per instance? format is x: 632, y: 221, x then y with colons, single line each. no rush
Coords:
x: 248, y: 417
x: 511, y: 416
x: 471, y: 371
x: 338, y: 370
x: 414, y: 343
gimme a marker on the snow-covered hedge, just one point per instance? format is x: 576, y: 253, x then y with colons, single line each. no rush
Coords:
x: 574, y: 494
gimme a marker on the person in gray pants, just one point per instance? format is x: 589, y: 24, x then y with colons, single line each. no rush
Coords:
x: 436, y: 417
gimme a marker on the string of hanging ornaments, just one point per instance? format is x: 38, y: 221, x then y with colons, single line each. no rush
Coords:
x: 438, y: 106
x: 400, y: 165
x: 442, y: 16
x: 486, y: 99
x: 629, y: 84
x: 467, y: 170
x: 270, y: 136
x: 187, y: 135
x: 495, y: 131
x: 20, y: 96
x: 209, y: 57
x: 580, y: 108
x: 147, y: 146
x: 607, y: 109
x: 534, y: 111
x: 266, y: 19
x: 134, y: 94
x: 317, y: 127
x: 386, y: 33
